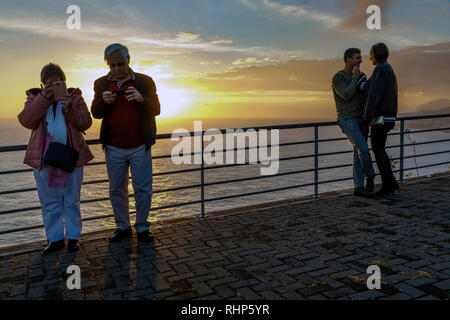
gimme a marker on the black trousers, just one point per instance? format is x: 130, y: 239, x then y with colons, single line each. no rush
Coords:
x: 378, y: 136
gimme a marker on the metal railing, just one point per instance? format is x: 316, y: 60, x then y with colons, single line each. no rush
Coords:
x: 316, y: 169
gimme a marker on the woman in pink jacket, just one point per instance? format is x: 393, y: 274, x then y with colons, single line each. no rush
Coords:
x: 55, y: 114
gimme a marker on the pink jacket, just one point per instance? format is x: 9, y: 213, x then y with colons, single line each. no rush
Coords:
x: 78, y: 119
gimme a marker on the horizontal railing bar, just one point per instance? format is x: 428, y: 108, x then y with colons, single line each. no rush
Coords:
x: 244, y: 179
x: 101, y: 199
x: 224, y: 198
x: 427, y: 130
x: 247, y: 163
x: 17, y: 191
x: 180, y: 204
x: 429, y: 116
x: 259, y: 177
x: 22, y: 229
x: 281, y: 127
x: 337, y: 166
x: 175, y: 172
x: 424, y: 166
x: 220, y: 182
x: 101, y: 217
x: 332, y: 139
x: 417, y: 143
x: 236, y: 149
x: 247, y: 148
x: 422, y: 155
x: 19, y: 210
x: 96, y: 163
x: 259, y: 192
x: 304, y: 171
x: 335, y: 180
x: 16, y: 171
x: 304, y: 185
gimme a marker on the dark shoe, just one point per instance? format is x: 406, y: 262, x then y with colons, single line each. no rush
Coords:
x: 72, y: 245
x: 361, y: 192
x: 145, y: 236
x: 119, y: 234
x: 370, y: 186
x: 53, y: 246
x: 396, y: 187
x: 384, y: 191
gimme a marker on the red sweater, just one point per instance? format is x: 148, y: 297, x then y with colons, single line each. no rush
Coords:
x: 123, y: 122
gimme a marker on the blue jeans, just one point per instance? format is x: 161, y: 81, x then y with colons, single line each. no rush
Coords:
x: 362, y: 161
x: 139, y: 161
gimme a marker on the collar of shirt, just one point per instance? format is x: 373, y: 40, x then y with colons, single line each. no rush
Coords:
x: 119, y: 84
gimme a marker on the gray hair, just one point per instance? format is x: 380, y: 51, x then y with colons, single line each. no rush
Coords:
x: 117, y: 47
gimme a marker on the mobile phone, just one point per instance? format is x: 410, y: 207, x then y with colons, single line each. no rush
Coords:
x: 119, y: 92
x: 59, y: 89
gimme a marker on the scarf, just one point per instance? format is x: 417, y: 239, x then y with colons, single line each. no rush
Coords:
x: 58, y: 183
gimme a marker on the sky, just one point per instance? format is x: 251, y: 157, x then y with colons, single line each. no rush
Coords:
x: 227, y: 59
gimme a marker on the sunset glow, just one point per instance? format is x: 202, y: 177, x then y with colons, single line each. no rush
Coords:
x: 242, y: 58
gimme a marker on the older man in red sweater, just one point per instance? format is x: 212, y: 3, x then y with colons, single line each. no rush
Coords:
x: 127, y: 102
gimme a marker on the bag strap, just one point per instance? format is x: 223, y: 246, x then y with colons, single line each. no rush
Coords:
x: 70, y: 134
x: 68, y: 131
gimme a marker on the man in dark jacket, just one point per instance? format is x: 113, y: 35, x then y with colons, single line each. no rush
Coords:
x: 127, y: 102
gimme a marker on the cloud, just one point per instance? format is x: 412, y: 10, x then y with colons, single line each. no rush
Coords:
x: 55, y: 28
x: 294, y: 11
x: 418, y: 69
x: 207, y: 63
x: 187, y: 37
x: 249, y: 3
x: 182, y: 43
x: 247, y: 61
x: 221, y: 41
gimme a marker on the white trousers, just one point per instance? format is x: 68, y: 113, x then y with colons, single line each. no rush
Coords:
x: 61, y: 212
x: 118, y: 161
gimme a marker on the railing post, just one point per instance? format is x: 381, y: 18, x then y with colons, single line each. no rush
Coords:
x: 402, y: 147
x: 316, y: 161
x: 202, y: 181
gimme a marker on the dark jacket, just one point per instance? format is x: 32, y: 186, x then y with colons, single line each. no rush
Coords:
x: 381, y: 93
x: 147, y: 110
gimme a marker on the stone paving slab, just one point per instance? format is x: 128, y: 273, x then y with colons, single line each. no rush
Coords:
x: 314, y: 249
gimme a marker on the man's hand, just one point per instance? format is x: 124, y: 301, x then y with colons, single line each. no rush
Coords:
x: 356, y: 70
x: 109, y: 97
x: 133, y: 94
x: 66, y: 100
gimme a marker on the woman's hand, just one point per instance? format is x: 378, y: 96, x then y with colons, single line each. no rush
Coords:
x: 47, y: 92
x: 66, y: 100
x: 133, y: 94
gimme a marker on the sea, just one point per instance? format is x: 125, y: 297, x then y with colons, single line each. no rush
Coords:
x: 12, y: 134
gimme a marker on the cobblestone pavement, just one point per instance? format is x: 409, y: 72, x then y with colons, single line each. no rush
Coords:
x: 309, y: 249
